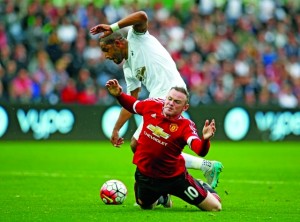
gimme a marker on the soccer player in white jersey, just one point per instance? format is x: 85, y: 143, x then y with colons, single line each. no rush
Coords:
x: 146, y: 62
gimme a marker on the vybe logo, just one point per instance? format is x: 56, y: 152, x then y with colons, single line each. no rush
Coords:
x: 45, y: 122
x: 279, y: 124
x: 3, y: 121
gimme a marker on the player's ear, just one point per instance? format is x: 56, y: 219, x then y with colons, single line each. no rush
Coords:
x: 186, y: 106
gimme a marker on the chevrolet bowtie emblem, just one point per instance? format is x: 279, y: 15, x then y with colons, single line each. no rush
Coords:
x: 157, y: 131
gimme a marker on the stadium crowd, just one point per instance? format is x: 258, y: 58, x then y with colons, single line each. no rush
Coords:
x: 233, y: 51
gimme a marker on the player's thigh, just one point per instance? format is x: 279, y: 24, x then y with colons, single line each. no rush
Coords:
x: 145, y: 193
x: 189, y: 190
x: 145, y: 196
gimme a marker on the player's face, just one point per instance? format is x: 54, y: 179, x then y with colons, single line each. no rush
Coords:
x: 112, y: 52
x: 175, y: 104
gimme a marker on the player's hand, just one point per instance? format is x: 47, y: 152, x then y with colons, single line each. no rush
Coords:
x: 115, y: 140
x: 102, y: 29
x: 113, y: 87
x: 209, y: 129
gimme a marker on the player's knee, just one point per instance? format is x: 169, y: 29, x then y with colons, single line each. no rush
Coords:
x: 133, y: 144
x: 216, y: 207
x: 217, y: 204
x: 211, y: 203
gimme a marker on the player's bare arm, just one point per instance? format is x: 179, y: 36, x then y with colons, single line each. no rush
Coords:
x: 139, y: 21
x: 115, y: 89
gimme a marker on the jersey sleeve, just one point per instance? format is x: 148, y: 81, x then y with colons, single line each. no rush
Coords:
x: 197, y: 144
x: 136, y: 106
x: 127, y: 101
x: 200, y: 146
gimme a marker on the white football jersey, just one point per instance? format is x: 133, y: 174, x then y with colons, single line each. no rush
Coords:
x: 150, y: 64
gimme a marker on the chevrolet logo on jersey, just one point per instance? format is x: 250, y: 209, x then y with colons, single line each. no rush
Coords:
x: 157, y: 131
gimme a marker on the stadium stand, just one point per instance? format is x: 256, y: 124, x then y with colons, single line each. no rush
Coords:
x: 235, y: 51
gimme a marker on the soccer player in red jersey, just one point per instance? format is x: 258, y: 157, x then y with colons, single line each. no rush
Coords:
x: 160, y: 166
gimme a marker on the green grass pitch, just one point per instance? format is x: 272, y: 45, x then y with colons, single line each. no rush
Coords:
x: 60, y: 181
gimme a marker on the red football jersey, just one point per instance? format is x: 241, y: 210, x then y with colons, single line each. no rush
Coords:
x: 162, y: 140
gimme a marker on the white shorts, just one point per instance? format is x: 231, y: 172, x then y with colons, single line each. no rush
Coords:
x: 138, y: 131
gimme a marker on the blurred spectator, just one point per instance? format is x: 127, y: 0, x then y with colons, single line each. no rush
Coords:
x: 5, y: 56
x: 292, y: 46
x: 233, y: 10
x: 9, y: 74
x: 42, y: 74
x: 21, y: 87
x: 110, y: 11
x: 264, y: 96
x: 3, y: 36
x: 20, y: 55
x: 87, y: 96
x: 227, y: 79
x: 286, y: 97
x: 76, y: 57
x: 60, y: 74
x: 41, y: 67
x: 242, y: 71
x: 53, y: 47
x: 35, y: 34
x: 293, y: 67
x: 269, y: 56
x: 86, y: 88
x: 92, y: 52
x: 266, y: 9
x: 103, y: 97
x: 69, y: 92
x: 66, y: 31
x: 205, y: 7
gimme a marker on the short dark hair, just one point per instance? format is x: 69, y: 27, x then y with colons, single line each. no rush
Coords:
x: 183, y: 90
x: 111, y: 38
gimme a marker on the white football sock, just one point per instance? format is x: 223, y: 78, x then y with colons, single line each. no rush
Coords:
x: 192, y: 162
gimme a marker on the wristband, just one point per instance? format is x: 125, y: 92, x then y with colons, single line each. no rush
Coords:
x: 114, y: 27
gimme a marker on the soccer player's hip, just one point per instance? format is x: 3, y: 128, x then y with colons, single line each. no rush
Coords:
x: 183, y: 186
